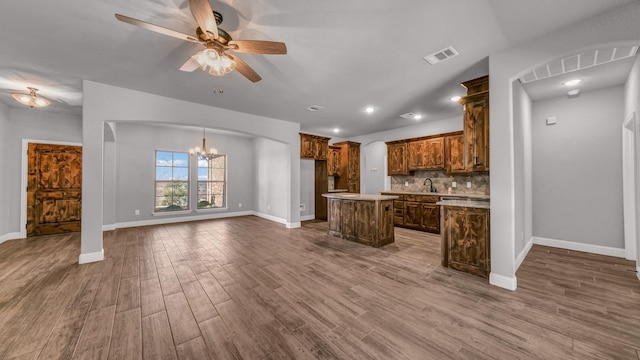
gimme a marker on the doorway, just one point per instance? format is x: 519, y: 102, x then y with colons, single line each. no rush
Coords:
x: 53, y: 188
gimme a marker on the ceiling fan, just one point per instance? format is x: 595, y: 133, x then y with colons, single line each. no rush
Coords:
x: 216, y: 41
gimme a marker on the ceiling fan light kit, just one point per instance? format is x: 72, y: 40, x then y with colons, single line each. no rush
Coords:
x: 217, y: 42
x: 31, y: 99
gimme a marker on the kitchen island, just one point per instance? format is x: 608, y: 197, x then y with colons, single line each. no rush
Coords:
x: 363, y: 218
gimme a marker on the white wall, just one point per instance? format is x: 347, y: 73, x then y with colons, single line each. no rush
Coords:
x: 522, y: 113
x: 272, y: 179
x: 4, y: 194
x: 577, y: 168
x: 371, y: 181
x: 135, y: 168
x: 616, y: 27
x: 307, y: 188
x: 631, y: 164
x: 34, y: 124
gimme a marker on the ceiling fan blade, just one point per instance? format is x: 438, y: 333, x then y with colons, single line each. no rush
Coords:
x: 201, y: 10
x: 258, y: 46
x: 190, y: 65
x: 245, y: 69
x: 156, y: 28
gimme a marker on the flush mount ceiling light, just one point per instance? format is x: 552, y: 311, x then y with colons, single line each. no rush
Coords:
x: 31, y: 99
x: 573, y: 82
x: 455, y: 98
x: 369, y: 109
x: 573, y: 92
x: 336, y: 130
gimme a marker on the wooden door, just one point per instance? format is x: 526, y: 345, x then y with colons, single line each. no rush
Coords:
x: 54, y: 189
x: 321, y: 187
x: 354, y: 161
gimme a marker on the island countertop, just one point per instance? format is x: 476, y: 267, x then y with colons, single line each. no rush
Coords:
x: 362, y: 197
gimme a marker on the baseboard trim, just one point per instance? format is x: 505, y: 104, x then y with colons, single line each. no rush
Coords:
x: 91, y: 257
x: 10, y: 236
x: 505, y: 282
x: 109, y: 227
x: 271, y: 217
x: 588, y: 248
x: 307, y: 217
x: 294, y: 225
x: 168, y: 220
x: 523, y: 253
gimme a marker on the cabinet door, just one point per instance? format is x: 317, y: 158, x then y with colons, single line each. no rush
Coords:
x: 398, y: 212
x: 434, y: 154
x: 365, y: 220
x: 476, y: 130
x: 354, y: 162
x: 307, y: 147
x: 467, y: 233
x: 348, y: 217
x: 353, y: 185
x: 335, y: 154
x: 455, y: 154
x: 334, y: 215
x: 412, y: 214
x: 430, y: 217
x: 416, y: 154
x: 322, y: 148
x: 397, y: 159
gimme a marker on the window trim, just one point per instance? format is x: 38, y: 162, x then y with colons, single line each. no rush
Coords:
x: 188, y: 210
x: 226, y: 188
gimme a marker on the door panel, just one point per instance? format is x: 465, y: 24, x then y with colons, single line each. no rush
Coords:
x: 54, y: 189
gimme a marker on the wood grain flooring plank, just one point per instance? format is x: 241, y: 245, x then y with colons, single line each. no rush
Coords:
x: 183, y: 324
x: 62, y: 341
x: 157, y: 342
x: 199, y: 302
x: 218, y: 339
x: 107, y: 293
x: 96, y: 334
x: 214, y: 290
x: 151, y: 300
x: 126, y: 341
x: 128, y: 294
x: 169, y: 281
x: 194, y: 349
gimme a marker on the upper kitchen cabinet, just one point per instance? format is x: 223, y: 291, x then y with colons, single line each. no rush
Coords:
x: 454, y: 154
x: 313, y: 147
x: 397, y: 158
x: 333, y: 161
x: 426, y: 154
x: 349, y: 166
x: 476, y: 124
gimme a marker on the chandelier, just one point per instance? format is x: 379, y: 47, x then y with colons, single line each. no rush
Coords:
x: 219, y: 64
x: 202, y: 153
x: 32, y: 99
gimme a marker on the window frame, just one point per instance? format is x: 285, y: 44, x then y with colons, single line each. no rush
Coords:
x: 225, y: 204
x: 155, y: 183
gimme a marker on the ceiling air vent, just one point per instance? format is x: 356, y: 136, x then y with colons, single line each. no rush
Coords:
x: 409, y: 115
x: 314, y: 108
x: 442, y: 55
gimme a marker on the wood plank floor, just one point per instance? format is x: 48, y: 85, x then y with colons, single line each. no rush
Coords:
x: 247, y: 288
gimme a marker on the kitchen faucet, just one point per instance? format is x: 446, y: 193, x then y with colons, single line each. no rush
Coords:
x: 431, y: 188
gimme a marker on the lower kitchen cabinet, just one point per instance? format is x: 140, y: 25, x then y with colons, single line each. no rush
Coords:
x: 466, y: 239
x: 418, y: 212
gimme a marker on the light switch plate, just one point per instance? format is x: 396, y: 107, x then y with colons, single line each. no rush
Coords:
x: 468, y: 184
x: 454, y: 184
x: 551, y: 120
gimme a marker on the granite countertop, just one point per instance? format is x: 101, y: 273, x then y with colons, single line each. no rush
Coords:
x: 338, y: 190
x: 444, y: 194
x: 365, y: 197
x: 480, y: 204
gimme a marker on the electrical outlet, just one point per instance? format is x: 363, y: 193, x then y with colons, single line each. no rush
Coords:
x: 374, y: 169
x: 454, y: 184
x: 239, y: 204
x: 137, y: 212
x: 406, y: 183
x: 302, y: 207
x: 468, y: 184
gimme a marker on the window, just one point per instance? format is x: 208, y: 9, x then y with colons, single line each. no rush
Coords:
x: 172, y: 181
x: 212, y: 182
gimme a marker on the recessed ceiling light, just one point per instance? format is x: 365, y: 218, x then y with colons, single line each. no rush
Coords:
x: 573, y: 92
x: 336, y: 130
x: 315, y: 108
x: 573, y: 82
x: 369, y: 109
x: 417, y: 117
x: 455, y: 98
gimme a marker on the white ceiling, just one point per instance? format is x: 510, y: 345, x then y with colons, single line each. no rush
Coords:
x: 342, y: 55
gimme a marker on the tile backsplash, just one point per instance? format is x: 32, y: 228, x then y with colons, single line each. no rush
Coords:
x: 442, y: 181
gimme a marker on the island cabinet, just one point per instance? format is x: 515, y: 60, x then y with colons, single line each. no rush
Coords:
x: 313, y: 147
x: 349, y: 166
x: 367, y: 219
x: 476, y: 124
x: 426, y: 154
x: 333, y: 161
x: 466, y: 239
x: 397, y: 158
